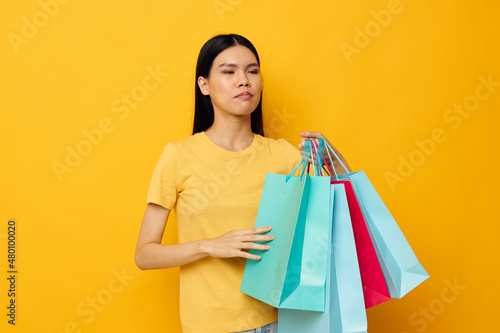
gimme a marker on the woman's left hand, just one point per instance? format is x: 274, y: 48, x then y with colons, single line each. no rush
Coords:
x: 311, y: 135
x: 315, y: 135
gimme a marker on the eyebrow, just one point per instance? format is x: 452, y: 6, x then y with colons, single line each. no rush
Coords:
x: 229, y: 64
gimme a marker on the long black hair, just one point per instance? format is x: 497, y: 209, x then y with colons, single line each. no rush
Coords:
x: 203, y: 108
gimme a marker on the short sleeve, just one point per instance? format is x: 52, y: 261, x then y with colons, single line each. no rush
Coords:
x: 164, y: 186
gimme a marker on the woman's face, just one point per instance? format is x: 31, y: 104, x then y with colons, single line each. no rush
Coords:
x: 235, y: 82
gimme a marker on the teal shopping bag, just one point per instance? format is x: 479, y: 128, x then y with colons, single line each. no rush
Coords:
x: 345, y: 308
x: 401, y: 268
x: 292, y: 273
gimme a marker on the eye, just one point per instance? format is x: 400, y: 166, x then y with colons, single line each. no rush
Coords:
x: 228, y: 72
x: 253, y: 71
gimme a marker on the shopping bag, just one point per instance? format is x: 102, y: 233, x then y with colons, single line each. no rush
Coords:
x: 374, y: 286
x: 345, y: 308
x: 401, y: 268
x: 292, y: 273
x: 375, y: 289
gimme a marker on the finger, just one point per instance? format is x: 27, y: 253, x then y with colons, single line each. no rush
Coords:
x: 255, y: 246
x: 256, y: 238
x: 245, y: 254
x: 250, y: 231
x: 249, y: 256
x: 302, y: 143
x: 311, y: 134
x: 260, y: 230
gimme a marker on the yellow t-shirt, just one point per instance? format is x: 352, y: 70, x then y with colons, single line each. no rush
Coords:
x: 213, y: 192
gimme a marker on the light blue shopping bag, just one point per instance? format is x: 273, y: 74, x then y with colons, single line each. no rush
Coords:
x: 292, y: 273
x: 402, y: 270
x: 345, y: 308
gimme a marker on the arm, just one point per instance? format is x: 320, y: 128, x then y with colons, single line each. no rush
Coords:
x: 151, y: 254
x: 336, y: 164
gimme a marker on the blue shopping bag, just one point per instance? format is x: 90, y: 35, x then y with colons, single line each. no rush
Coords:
x: 292, y: 273
x: 345, y: 308
x: 401, y: 268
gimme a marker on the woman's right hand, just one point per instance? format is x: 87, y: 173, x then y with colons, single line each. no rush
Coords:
x: 151, y: 254
x: 236, y: 243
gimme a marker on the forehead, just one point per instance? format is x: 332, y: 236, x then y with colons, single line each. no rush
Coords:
x: 237, y: 55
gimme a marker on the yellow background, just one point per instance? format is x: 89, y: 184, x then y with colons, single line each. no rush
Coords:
x: 76, y: 233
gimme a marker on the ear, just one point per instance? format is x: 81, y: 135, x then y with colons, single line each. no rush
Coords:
x: 203, y: 84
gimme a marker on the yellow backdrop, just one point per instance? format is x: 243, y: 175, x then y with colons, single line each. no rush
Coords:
x: 91, y: 91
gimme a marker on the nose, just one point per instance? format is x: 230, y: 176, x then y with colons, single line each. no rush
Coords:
x: 244, y: 81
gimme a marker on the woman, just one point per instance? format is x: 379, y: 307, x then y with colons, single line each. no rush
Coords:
x: 214, y: 179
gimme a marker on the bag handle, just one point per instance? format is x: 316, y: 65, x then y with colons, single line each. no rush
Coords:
x: 324, y: 143
x: 318, y: 147
x: 309, y: 148
x: 304, y: 164
x: 314, y: 149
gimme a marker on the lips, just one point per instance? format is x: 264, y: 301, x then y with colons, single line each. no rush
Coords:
x: 244, y: 95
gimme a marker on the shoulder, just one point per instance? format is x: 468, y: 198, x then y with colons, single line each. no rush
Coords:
x: 187, y: 141
x: 280, y: 148
x: 274, y: 143
x: 281, y: 155
x: 175, y: 147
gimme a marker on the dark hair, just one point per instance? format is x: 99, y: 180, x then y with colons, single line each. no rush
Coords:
x: 203, y: 108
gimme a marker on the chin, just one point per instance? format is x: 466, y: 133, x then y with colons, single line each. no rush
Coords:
x: 245, y: 112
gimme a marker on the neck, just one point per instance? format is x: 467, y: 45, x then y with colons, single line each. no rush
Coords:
x: 233, y: 134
